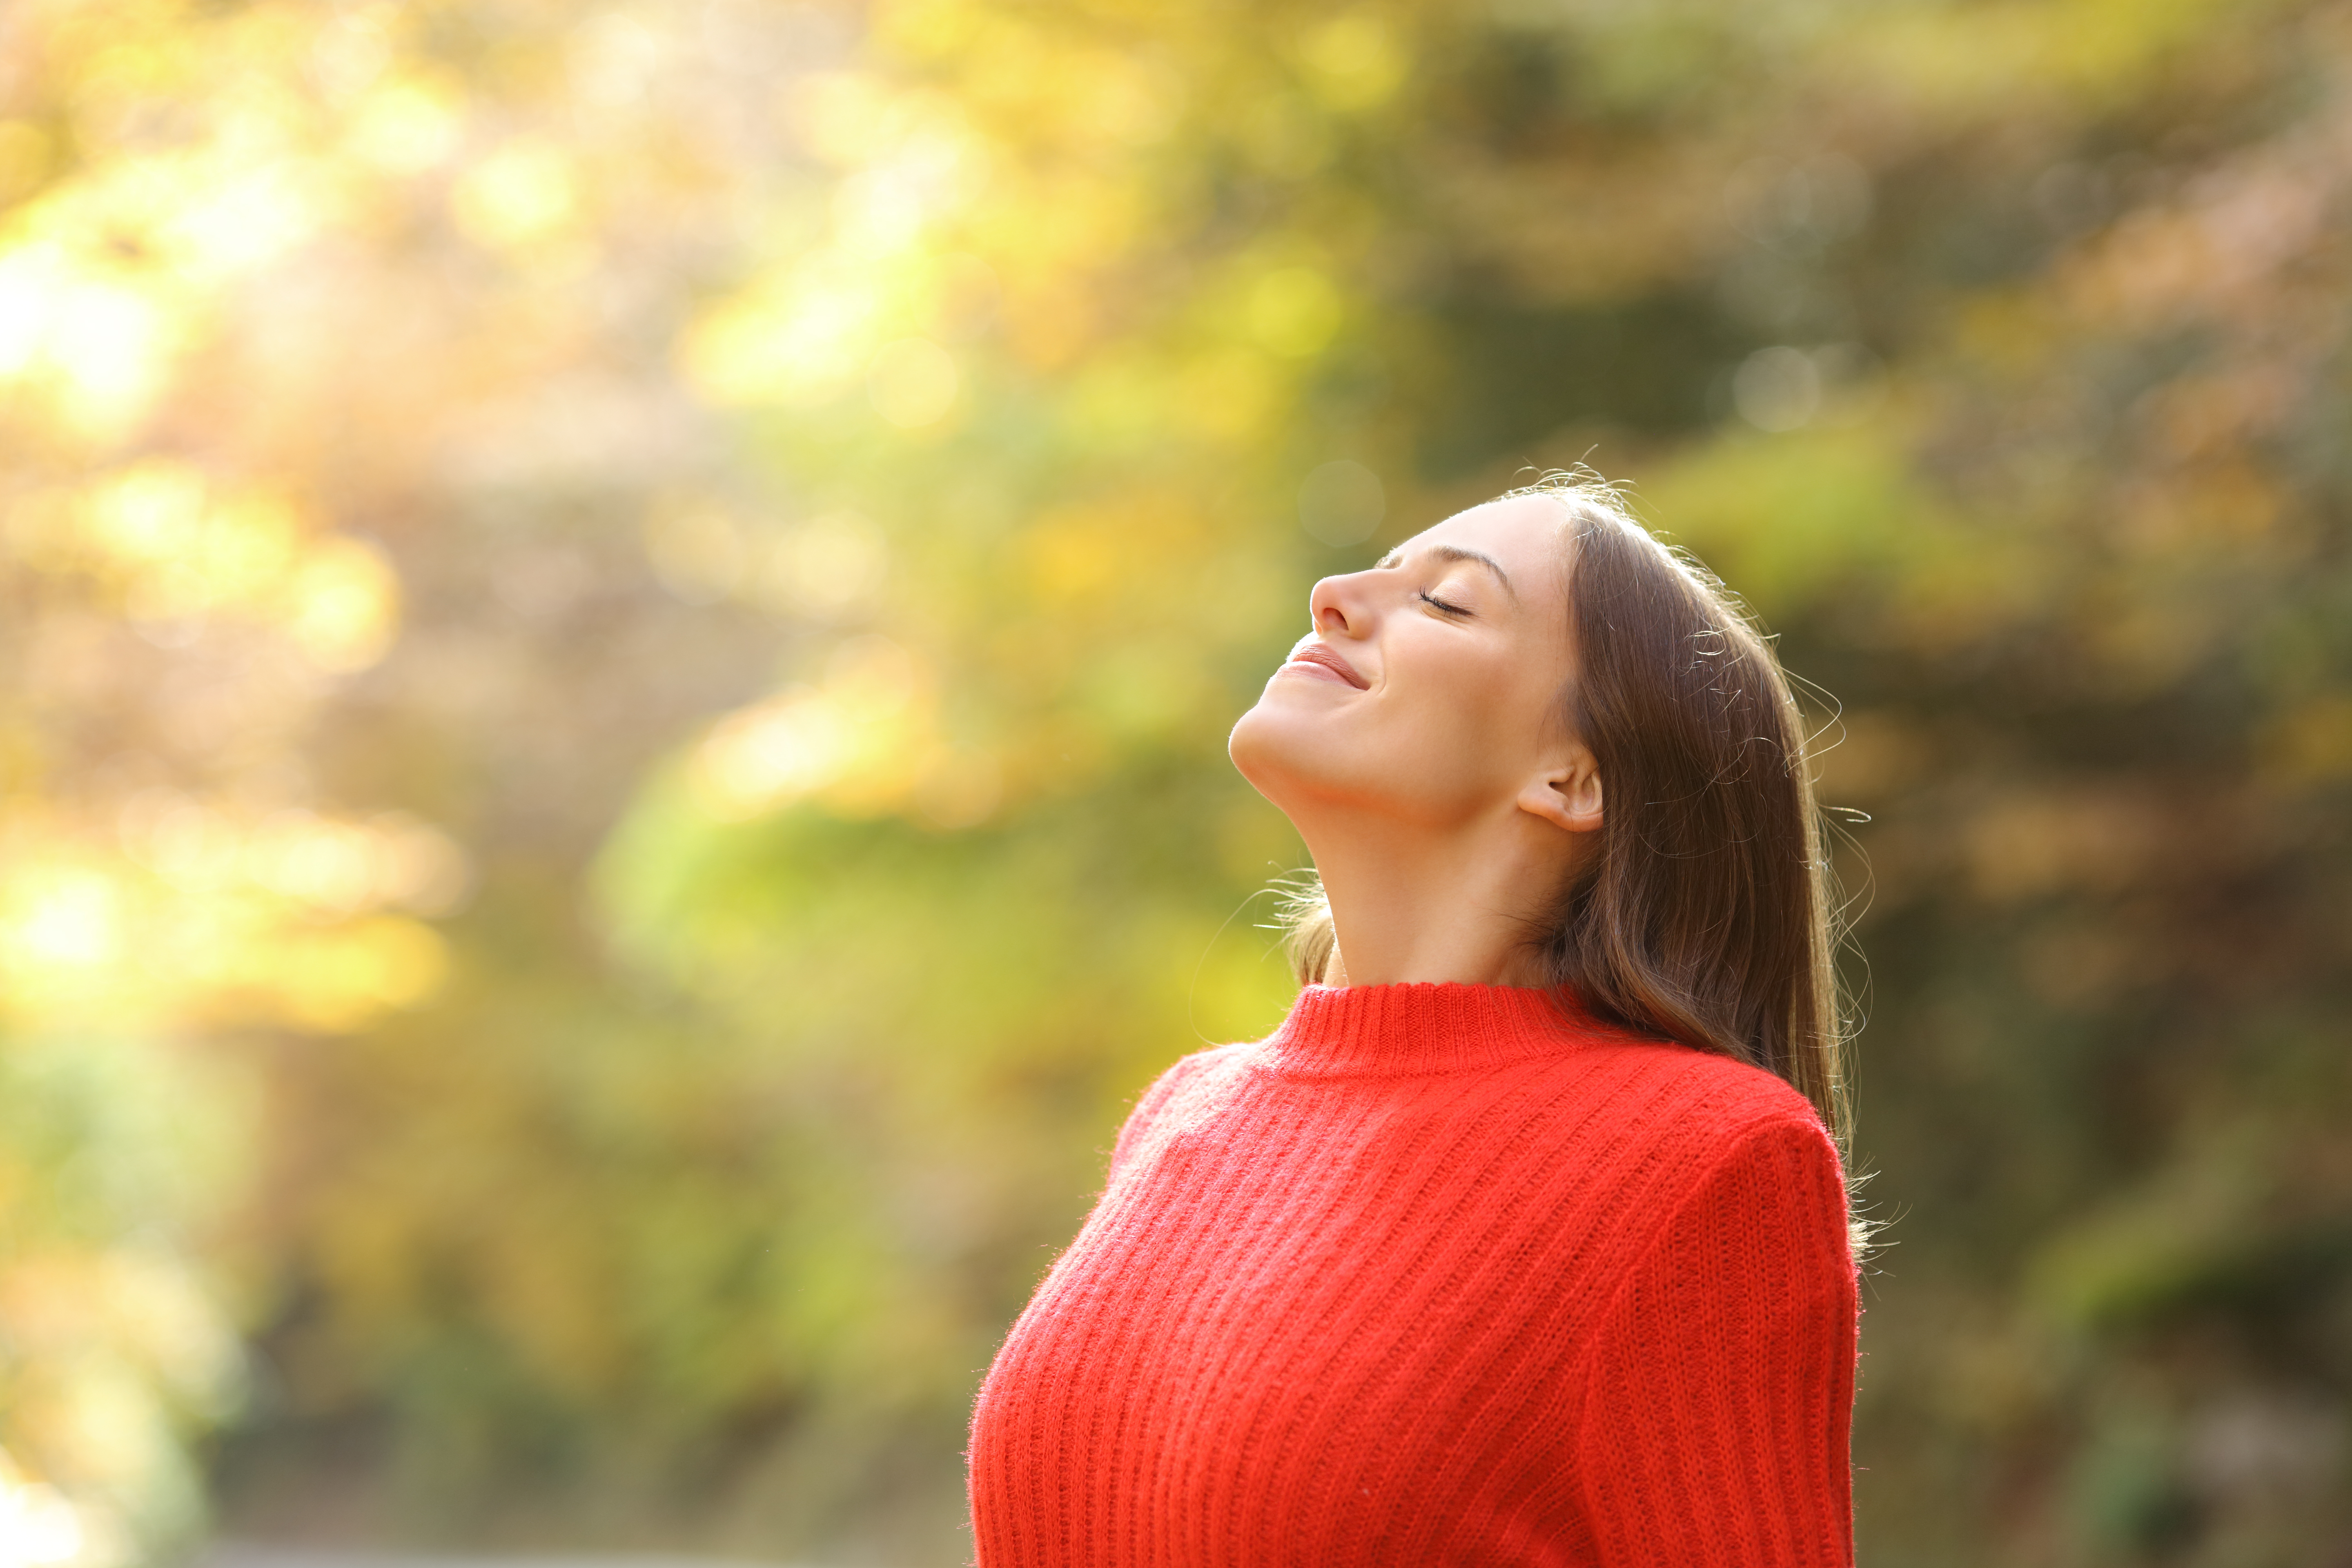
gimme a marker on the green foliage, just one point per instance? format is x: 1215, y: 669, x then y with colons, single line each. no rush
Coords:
x: 113, y: 1156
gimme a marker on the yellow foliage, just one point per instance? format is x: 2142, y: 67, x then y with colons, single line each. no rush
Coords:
x: 2092, y: 51
x: 1073, y: 555
x: 61, y: 932
x: 865, y: 740
x: 337, y: 979
x: 1354, y: 61
x: 39, y: 1525
x: 343, y: 605
x: 89, y: 342
x: 524, y: 194
x: 25, y: 150
x: 794, y: 337
x: 913, y: 383
x: 1227, y: 397
x: 831, y: 567
x: 844, y: 117
x: 407, y: 123
x: 1294, y: 310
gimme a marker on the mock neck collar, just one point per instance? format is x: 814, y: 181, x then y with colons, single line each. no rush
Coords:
x: 1420, y: 1028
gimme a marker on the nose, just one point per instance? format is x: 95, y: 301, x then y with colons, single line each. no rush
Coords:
x: 1336, y: 604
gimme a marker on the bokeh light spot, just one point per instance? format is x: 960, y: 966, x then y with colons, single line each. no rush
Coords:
x: 1343, y: 502
x: 1294, y: 312
x: 1777, y: 389
x: 913, y: 383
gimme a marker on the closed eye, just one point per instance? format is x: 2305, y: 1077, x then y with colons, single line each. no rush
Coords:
x: 1437, y: 604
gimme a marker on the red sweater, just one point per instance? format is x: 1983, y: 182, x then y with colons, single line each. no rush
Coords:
x: 1438, y: 1275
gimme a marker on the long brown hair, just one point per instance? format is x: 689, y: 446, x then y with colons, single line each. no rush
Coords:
x: 1707, y: 915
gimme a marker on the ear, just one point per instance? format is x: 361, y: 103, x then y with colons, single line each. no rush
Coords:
x: 1568, y: 794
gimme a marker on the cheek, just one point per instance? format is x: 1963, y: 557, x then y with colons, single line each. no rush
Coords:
x: 1449, y: 735
x: 1460, y: 730
x: 1468, y: 718
x: 1442, y: 671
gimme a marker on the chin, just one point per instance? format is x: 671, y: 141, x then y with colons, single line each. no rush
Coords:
x: 1250, y: 740
x: 1281, y: 751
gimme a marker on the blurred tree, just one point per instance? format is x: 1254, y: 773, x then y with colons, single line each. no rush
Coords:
x: 915, y: 426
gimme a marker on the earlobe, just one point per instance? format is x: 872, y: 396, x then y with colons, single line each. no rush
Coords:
x: 1567, y: 797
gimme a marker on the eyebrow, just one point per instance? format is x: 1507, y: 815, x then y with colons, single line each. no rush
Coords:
x: 1456, y: 552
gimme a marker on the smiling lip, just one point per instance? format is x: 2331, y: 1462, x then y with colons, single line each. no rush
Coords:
x: 1320, y: 656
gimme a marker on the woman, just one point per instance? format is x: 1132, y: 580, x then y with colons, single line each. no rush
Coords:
x: 1523, y: 1239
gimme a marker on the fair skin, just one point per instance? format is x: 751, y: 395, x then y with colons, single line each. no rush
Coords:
x: 1414, y: 739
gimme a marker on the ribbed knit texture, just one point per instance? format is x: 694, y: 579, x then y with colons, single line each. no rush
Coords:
x: 1438, y: 1275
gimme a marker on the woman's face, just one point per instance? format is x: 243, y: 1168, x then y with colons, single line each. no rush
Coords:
x: 1429, y: 690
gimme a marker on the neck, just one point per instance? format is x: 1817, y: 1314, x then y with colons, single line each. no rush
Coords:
x: 1412, y: 906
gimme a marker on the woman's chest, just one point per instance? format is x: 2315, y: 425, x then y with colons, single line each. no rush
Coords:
x: 1340, y: 1332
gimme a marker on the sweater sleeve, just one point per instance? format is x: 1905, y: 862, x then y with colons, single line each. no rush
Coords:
x: 1720, y: 1394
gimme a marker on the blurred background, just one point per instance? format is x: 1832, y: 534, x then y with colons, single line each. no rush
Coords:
x: 619, y: 619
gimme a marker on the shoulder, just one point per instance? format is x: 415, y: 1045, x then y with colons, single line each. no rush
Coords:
x: 1176, y: 1097
x: 1694, y: 1108
x: 1738, y: 1166
x: 1738, y: 1201
x: 1669, y: 1128
x: 1191, y: 1074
